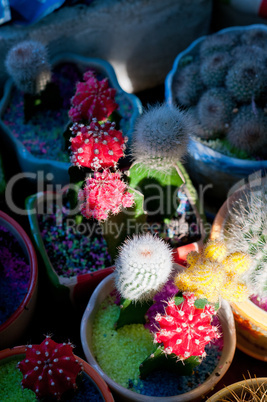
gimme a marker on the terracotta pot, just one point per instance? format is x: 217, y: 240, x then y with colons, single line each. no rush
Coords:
x: 31, y: 164
x: 250, y: 320
x: 123, y: 394
x: 18, y: 353
x: 238, y: 388
x: 13, y: 328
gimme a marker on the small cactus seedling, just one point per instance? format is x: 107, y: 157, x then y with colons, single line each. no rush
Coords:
x: 28, y: 66
x: 93, y: 98
x: 246, y: 232
x: 215, y: 273
x: 49, y: 368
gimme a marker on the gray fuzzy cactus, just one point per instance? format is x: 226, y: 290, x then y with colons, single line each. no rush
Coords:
x: 160, y: 137
x: 218, y: 43
x: 142, y: 267
x: 188, y: 85
x: 247, y: 232
x: 215, y: 111
x: 248, y: 130
x: 28, y: 66
x: 214, y: 69
x: 255, y: 37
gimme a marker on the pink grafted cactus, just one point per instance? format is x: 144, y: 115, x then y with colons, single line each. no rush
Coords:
x: 93, y: 98
x: 185, y: 329
x: 96, y: 146
x: 104, y: 194
x: 49, y: 368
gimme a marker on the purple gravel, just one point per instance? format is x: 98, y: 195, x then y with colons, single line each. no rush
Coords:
x: 14, y: 274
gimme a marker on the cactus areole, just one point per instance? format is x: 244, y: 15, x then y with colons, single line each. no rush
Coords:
x: 49, y: 368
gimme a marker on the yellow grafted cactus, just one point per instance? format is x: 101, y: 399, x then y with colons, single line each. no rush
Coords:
x: 192, y: 258
x: 215, y: 251
x: 234, y: 291
x: 236, y: 263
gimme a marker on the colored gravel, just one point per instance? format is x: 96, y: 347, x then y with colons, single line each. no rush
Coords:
x: 43, y: 134
x: 14, y: 274
x: 119, y: 354
x: 11, y: 390
x: 72, y: 251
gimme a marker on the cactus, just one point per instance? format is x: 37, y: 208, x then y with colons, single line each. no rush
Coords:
x: 143, y: 266
x: 246, y: 80
x: 96, y: 146
x: 214, y: 111
x: 28, y: 66
x: 215, y: 273
x: 255, y: 37
x: 246, y: 232
x: 49, y: 369
x: 249, y: 52
x: 103, y: 194
x: 218, y: 43
x: 93, y: 98
x: 188, y: 86
x: 214, y: 68
x: 247, y: 131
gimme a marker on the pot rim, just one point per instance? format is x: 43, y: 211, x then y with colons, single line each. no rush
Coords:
x: 204, y: 388
x: 87, y: 368
x: 226, y: 392
x: 33, y: 268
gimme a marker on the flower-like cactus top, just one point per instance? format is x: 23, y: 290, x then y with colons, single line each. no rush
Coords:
x: 49, y: 368
x: 104, y: 194
x: 213, y: 273
x: 185, y: 329
x: 96, y: 146
x: 143, y: 266
x: 93, y: 98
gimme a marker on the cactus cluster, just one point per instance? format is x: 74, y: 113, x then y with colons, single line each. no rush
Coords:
x: 246, y: 232
x: 27, y: 64
x: 214, y: 273
x: 229, y: 69
x: 49, y: 369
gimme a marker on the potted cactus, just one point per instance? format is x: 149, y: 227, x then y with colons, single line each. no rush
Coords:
x: 108, y: 200
x: 174, y: 332
x: 19, y: 279
x: 241, y: 221
x: 220, y: 79
x: 49, y: 371
x: 36, y: 101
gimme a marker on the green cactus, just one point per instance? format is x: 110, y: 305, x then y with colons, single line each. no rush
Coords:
x: 215, y: 111
x: 214, y: 43
x: 214, y: 68
x: 188, y: 86
x: 248, y: 129
x: 246, y: 80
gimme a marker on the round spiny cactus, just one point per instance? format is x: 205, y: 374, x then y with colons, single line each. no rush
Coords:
x: 246, y: 80
x: 143, y: 266
x: 214, y: 111
x: 246, y: 232
x: 249, y: 52
x: 255, y: 37
x: 28, y: 66
x: 188, y: 85
x: 247, y: 131
x: 218, y: 43
x: 214, y: 68
x: 160, y: 137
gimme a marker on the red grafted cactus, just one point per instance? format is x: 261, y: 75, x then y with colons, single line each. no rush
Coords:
x: 185, y: 329
x: 93, y: 98
x: 49, y: 368
x: 103, y: 194
x: 96, y: 146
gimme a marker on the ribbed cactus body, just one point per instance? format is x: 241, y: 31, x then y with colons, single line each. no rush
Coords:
x: 214, y: 68
x: 28, y: 66
x: 214, y: 111
x: 247, y: 233
x: 188, y: 85
x: 143, y: 266
x: 248, y: 129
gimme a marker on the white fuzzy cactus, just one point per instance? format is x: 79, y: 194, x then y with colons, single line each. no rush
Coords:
x: 27, y: 64
x: 247, y: 232
x: 160, y: 137
x: 144, y: 264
